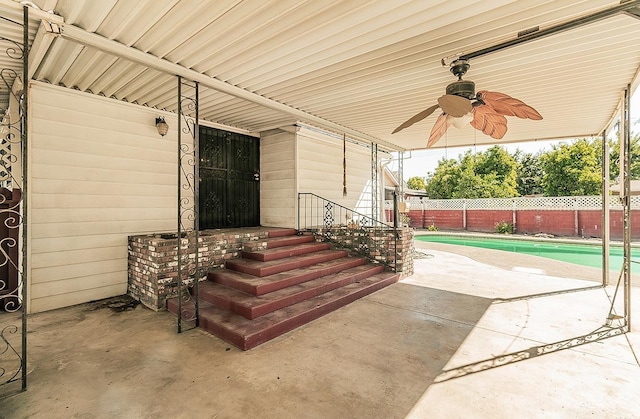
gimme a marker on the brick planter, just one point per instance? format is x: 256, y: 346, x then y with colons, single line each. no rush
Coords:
x: 153, y: 260
x: 379, y: 245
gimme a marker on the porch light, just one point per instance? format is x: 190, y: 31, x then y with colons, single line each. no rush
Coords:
x: 161, y: 126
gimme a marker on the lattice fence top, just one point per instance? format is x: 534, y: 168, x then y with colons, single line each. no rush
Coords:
x: 568, y: 203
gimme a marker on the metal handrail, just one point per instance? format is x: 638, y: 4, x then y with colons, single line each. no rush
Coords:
x: 360, y: 233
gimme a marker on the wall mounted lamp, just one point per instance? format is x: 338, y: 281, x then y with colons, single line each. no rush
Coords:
x: 161, y: 126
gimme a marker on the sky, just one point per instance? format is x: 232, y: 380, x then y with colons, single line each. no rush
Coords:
x: 419, y: 163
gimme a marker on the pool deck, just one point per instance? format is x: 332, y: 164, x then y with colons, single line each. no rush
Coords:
x: 464, y: 337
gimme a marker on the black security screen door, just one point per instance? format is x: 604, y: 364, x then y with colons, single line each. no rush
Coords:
x: 229, y: 179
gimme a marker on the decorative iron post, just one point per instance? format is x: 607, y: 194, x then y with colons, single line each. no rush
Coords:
x: 13, y: 209
x: 188, y: 236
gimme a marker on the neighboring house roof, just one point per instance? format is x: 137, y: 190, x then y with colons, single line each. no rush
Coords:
x: 634, y: 184
x: 354, y: 68
x: 390, y: 179
x: 391, y: 182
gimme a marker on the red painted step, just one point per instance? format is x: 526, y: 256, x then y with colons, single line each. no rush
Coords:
x: 256, y: 285
x: 288, y: 241
x: 251, y: 307
x: 247, y: 334
x: 279, y: 232
x: 285, y: 252
x: 258, y: 268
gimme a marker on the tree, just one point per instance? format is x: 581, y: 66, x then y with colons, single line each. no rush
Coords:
x: 571, y: 169
x: 442, y: 183
x: 529, y: 173
x: 614, y: 157
x: 416, y: 183
x: 498, y: 168
x: 491, y: 174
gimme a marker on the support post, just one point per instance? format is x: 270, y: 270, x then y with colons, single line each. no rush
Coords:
x: 625, y: 148
x: 24, y: 126
x: 396, y: 213
x: 179, y: 227
x: 606, y: 216
x: 188, y: 202
x: 375, y: 211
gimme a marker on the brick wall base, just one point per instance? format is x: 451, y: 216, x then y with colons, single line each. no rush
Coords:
x: 378, y: 245
x: 153, y: 260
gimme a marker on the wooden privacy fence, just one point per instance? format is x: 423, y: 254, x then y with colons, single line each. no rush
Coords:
x: 577, y: 216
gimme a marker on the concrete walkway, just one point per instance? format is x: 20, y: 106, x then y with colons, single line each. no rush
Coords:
x: 462, y: 338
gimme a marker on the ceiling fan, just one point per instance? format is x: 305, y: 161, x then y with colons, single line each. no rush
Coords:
x: 485, y: 111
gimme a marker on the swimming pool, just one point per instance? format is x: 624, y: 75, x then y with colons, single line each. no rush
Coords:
x: 578, y: 253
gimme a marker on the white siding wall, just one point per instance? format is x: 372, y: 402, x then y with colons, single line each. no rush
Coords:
x: 320, y: 171
x: 277, y: 179
x: 99, y: 172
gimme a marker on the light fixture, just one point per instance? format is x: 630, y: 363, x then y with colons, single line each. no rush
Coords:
x: 161, y: 126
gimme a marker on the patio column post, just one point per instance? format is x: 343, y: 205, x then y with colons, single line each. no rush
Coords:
x: 625, y: 171
x: 606, y: 216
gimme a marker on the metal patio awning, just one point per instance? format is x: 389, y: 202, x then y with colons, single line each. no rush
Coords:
x: 359, y: 68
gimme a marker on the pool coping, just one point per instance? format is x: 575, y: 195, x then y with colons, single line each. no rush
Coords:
x: 567, y: 240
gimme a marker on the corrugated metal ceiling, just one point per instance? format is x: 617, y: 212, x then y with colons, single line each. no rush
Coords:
x: 364, y: 65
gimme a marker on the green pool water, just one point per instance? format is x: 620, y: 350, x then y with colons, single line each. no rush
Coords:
x: 578, y: 253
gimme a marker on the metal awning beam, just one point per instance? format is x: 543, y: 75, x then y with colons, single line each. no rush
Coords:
x: 629, y: 7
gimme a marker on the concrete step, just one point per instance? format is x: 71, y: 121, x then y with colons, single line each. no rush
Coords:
x: 247, y: 334
x: 284, y: 252
x: 252, y: 307
x: 256, y: 285
x: 259, y: 268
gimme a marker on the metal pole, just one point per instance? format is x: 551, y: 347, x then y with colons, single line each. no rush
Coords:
x: 179, y: 241
x: 401, y: 174
x: 375, y: 212
x: 298, y: 223
x: 24, y: 186
x: 396, y: 213
x: 196, y: 202
x: 627, y: 204
x: 605, y: 234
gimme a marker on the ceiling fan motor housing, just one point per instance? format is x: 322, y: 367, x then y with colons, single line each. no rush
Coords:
x: 464, y: 88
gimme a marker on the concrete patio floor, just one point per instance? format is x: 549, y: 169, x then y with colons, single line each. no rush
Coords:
x: 393, y: 354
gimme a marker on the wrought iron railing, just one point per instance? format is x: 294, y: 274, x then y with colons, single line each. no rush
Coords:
x: 346, y: 228
x: 14, y: 46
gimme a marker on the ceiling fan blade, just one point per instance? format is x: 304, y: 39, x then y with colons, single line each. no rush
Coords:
x: 439, y: 128
x: 416, y: 118
x: 488, y: 121
x: 455, y: 106
x: 507, y: 105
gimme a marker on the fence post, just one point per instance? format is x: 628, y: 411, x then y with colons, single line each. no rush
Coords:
x: 513, y: 216
x: 464, y: 214
x: 575, y: 217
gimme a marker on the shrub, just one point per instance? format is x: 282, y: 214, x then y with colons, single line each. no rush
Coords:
x: 432, y: 227
x: 504, y: 228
